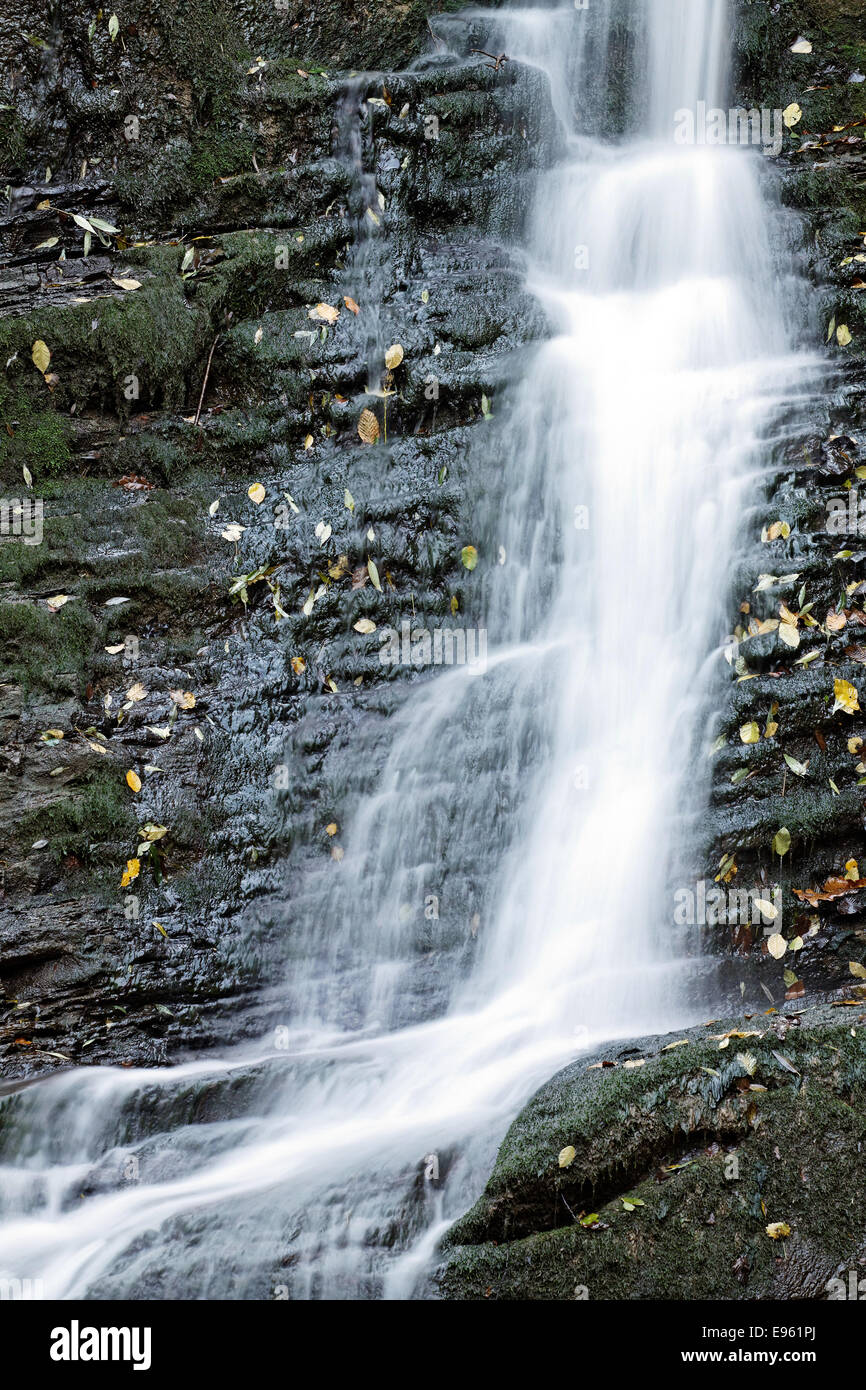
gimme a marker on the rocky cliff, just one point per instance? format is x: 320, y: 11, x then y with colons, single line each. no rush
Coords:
x: 217, y: 217
x: 184, y: 189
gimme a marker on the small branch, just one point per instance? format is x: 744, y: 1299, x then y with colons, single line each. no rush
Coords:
x: 206, y: 375
x: 498, y: 58
x: 439, y: 42
x: 568, y: 1209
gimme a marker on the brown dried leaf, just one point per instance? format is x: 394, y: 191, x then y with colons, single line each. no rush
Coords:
x: 327, y: 313
x: 368, y: 427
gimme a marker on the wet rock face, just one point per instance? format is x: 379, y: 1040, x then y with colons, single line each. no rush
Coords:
x: 240, y: 193
x: 234, y: 216
x: 785, y: 752
x: 174, y: 81
x: 721, y: 1162
x: 681, y: 1156
x: 250, y: 177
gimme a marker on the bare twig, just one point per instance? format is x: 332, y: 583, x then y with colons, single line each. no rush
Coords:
x: 568, y: 1208
x: 498, y: 58
x: 439, y: 42
x: 206, y: 375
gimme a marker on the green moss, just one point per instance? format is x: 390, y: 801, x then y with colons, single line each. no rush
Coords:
x: 181, y: 648
x: 13, y: 143
x: 207, y: 48
x: 41, y: 648
x: 45, y: 442
x: 335, y: 34
x: 773, y: 76
x: 836, y: 23
x: 166, y: 182
x: 168, y: 527
x: 39, y: 439
x: 265, y: 269
x: 95, y: 810
x: 142, y: 350
x: 60, y: 547
x: 161, y: 531
x: 152, y: 335
x: 823, y: 110
x: 731, y: 1160
x: 161, y: 570
x: 153, y: 455
x: 156, y: 596
x: 205, y: 44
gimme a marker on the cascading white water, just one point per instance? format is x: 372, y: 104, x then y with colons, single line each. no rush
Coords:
x: 632, y: 446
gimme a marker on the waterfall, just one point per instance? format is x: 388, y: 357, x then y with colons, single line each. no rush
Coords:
x: 571, y: 764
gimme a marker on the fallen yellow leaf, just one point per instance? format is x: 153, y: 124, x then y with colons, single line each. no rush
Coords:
x: 41, y: 355
x: 326, y: 312
x: 777, y: 1229
x: 130, y: 872
x: 393, y: 357
x: 846, y: 697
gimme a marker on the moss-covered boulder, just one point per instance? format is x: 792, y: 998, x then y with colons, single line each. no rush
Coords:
x: 720, y: 1162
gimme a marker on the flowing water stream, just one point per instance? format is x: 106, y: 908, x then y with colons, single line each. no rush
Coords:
x: 634, y: 446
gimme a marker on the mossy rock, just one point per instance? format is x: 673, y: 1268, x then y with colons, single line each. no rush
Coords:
x: 677, y: 1156
x: 33, y: 438
x: 87, y: 815
x: 48, y: 649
